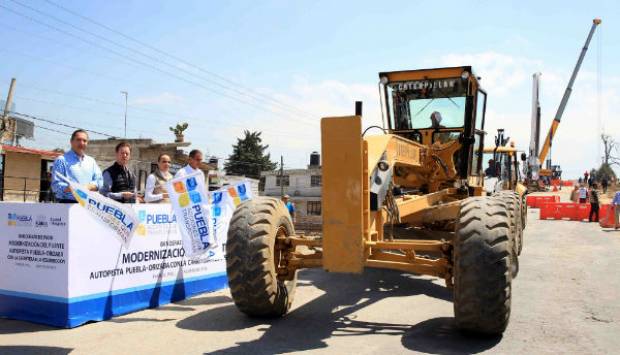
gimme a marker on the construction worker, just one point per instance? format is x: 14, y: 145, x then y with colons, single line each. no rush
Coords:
x: 593, y: 203
x: 491, y: 170
x: 605, y: 184
x: 583, y: 194
x: 290, y: 206
x: 616, y: 204
x: 574, y: 195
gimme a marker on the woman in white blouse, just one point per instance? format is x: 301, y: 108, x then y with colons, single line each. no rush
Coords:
x: 156, y: 182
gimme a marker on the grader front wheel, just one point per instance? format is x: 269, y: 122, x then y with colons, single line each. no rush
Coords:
x: 252, y: 258
x: 482, y: 266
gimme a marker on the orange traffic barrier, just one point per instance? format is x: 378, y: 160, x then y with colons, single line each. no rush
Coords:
x: 583, y: 211
x: 608, y: 216
x: 535, y: 201
x: 559, y: 210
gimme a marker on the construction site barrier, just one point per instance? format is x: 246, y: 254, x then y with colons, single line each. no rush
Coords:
x: 535, y: 201
x: 608, y: 216
x: 572, y: 211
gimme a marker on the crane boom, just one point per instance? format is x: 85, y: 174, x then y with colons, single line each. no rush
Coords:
x: 533, y: 165
x: 569, y: 88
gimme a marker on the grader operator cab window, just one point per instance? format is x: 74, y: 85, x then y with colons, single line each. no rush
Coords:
x: 424, y: 104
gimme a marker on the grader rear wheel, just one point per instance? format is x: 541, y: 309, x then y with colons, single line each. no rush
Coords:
x: 482, y: 266
x: 252, y: 257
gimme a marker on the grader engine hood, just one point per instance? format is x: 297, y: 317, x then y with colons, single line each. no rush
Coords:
x: 408, y: 164
x: 360, y: 171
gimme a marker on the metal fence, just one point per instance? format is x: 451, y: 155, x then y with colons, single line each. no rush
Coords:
x: 25, y: 189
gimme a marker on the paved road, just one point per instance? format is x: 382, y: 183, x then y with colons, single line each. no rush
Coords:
x: 565, y: 300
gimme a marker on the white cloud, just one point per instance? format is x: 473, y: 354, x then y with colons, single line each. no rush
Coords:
x: 508, y: 81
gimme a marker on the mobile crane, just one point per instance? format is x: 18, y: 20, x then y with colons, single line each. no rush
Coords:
x: 536, y: 160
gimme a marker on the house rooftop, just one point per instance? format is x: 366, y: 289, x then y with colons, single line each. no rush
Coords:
x: 44, y: 153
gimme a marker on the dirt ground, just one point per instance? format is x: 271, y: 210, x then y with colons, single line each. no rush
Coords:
x: 565, y: 300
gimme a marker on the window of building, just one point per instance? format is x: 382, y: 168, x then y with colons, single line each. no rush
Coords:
x: 282, y: 180
x: 261, y: 184
x: 314, y: 208
x: 315, y: 180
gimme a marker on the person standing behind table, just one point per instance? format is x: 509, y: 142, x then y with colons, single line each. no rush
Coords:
x: 156, y: 191
x: 585, y: 177
x: 75, y: 165
x: 118, y: 182
x: 593, y: 202
x: 616, y: 204
x: 583, y: 194
x: 193, y: 165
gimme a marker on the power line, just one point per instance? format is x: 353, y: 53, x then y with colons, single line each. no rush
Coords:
x: 52, y: 130
x: 167, y: 54
x: 58, y: 123
x: 158, y: 112
x: 105, y: 134
x: 133, y: 59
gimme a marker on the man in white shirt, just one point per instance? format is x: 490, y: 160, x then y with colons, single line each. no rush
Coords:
x: 193, y: 165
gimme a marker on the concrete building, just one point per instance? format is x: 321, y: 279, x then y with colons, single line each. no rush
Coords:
x: 144, y: 153
x: 304, y: 187
x: 25, y: 173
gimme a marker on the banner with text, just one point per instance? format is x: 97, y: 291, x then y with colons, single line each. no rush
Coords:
x: 223, y: 204
x: 110, y: 213
x: 193, y: 213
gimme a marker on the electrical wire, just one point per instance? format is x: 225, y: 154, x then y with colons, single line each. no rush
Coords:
x: 167, y: 54
x: 59, y: 123
x: 159, y: 61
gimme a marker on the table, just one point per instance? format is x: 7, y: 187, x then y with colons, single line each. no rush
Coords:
x: 60, y: 266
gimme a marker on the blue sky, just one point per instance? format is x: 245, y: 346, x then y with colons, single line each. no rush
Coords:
x: 312, y: 56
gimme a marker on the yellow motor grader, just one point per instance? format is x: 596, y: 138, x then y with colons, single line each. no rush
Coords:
x: 409, y: 199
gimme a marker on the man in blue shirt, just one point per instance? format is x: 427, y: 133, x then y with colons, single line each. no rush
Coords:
x: 77, y: 167
x: 616, y: 204
x: 289, y: 206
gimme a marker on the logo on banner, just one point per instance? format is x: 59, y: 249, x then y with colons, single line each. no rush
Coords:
x: 110, y: 213
x: 19, y: 220
x: 58, y: 222
x: 239, y: 193
x: 192, y: 213
x: 41, y: 221
x: 155, y: 223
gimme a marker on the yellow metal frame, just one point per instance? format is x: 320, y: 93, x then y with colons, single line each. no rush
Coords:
x: 354, y: 233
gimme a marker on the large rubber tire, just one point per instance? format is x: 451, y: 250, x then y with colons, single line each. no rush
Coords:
x: 524, y: 210
x: 250, y: 258
x: 482, y: 263
x: 515, y: 210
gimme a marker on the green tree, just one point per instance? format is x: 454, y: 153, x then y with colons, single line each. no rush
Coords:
x: 249, y: 157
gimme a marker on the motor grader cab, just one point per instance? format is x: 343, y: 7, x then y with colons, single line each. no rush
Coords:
x: 410, y: 199
x: 503, y: 171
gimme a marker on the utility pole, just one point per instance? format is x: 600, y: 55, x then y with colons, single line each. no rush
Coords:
x: 281, y: 176
x: 7, y: 107
x: 126, y: 94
